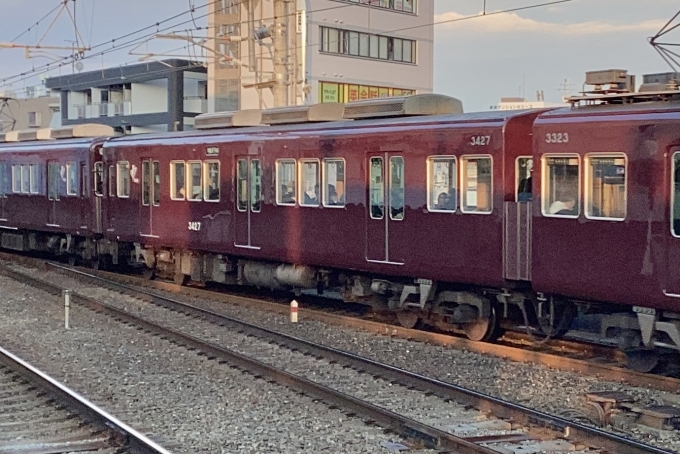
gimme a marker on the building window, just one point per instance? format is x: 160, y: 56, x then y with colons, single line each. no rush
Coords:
x: 34, y: 120
x: 228, y: 6
x: 406, y: 6
x: 346, y: 42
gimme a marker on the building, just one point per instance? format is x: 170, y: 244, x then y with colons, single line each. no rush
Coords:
x: 35, y: 110
x: 148, y: 97
x: 279, y: 53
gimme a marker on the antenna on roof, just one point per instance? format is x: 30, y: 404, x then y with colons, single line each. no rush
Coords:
x: 665, y: 48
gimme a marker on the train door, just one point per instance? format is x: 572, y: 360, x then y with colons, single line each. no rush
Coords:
x: 673, y: 250
x: 517, y: 224
x: 151, y: 181
x: 385, y: 207
x: 248, y: 200
x: 54, y: 178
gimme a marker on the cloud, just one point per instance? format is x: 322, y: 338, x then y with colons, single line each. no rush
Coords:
x: 513, y: 22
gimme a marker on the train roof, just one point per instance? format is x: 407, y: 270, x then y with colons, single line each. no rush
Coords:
x: 499, y: 117
x: 80, y: 142
x: 665, y: 108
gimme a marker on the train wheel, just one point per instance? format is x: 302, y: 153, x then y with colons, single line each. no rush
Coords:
x: 149, y: 273
x: 556, y: 319
x: 180, y: 279
x: 408, y: 319
x: 483, y: 329
x: 101, y: 262
x: 642, y: 360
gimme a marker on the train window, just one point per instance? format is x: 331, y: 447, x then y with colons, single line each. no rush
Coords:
x: 476, y: 184
x: 35, y: 178
x: 156, y: 169
x: 25, y: 179
x: 83, y: 180
x: 334, y: 183
x: 675, y: 196
x: 177, y: 180
x: 194, y: 181
x: 112, y: 181
x: 242, y: 185
x: 99, y: 178
x: 53, y: 178
x: 3, y: 179
x: 285, y: 182
x: 309, y: 183
x: 123, y: 179
x: 523, y: 168
x: 16, y: 179
x: 376, y: 188
x: 561, y: 188
x: 71, y: 178
x: 605, y: 196
x: 255, y: 186
x: 146, y: 183
x: 442, y: 187
x: 211, y: 178
x: 397, y: 188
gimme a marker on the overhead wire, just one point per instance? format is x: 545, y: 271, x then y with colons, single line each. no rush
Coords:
x: 25, y: 75
x: 35, y: 24
x: 116, y: 47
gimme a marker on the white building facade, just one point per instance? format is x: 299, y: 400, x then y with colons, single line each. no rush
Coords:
x: 315, y: 51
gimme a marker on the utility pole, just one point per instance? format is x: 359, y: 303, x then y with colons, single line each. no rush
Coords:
x: 280, y: 40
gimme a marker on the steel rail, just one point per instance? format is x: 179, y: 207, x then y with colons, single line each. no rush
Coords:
x: 500, y: 408
x: 611, y: 371
x: 406, y: 427
x: 136, y: 442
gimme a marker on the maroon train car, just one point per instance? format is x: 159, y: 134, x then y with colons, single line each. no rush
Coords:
x: 619, y: 166
x: 46, y: 190
x: 404, y: 213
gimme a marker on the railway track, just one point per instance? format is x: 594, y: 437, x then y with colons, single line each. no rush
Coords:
x: 313, y: 370
x: 39, y: 415
x: 560, y: 354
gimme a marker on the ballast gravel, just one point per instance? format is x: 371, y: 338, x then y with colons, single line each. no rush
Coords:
x: 187, y: 402
x: 534, y: 386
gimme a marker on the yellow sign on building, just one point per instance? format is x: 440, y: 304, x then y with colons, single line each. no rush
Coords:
x: 335, y: 92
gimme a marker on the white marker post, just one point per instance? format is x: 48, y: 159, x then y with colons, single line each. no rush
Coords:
x: 67, y: 307
x: 294, y: 311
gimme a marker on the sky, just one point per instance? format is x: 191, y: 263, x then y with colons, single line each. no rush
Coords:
x: 477, y: 60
